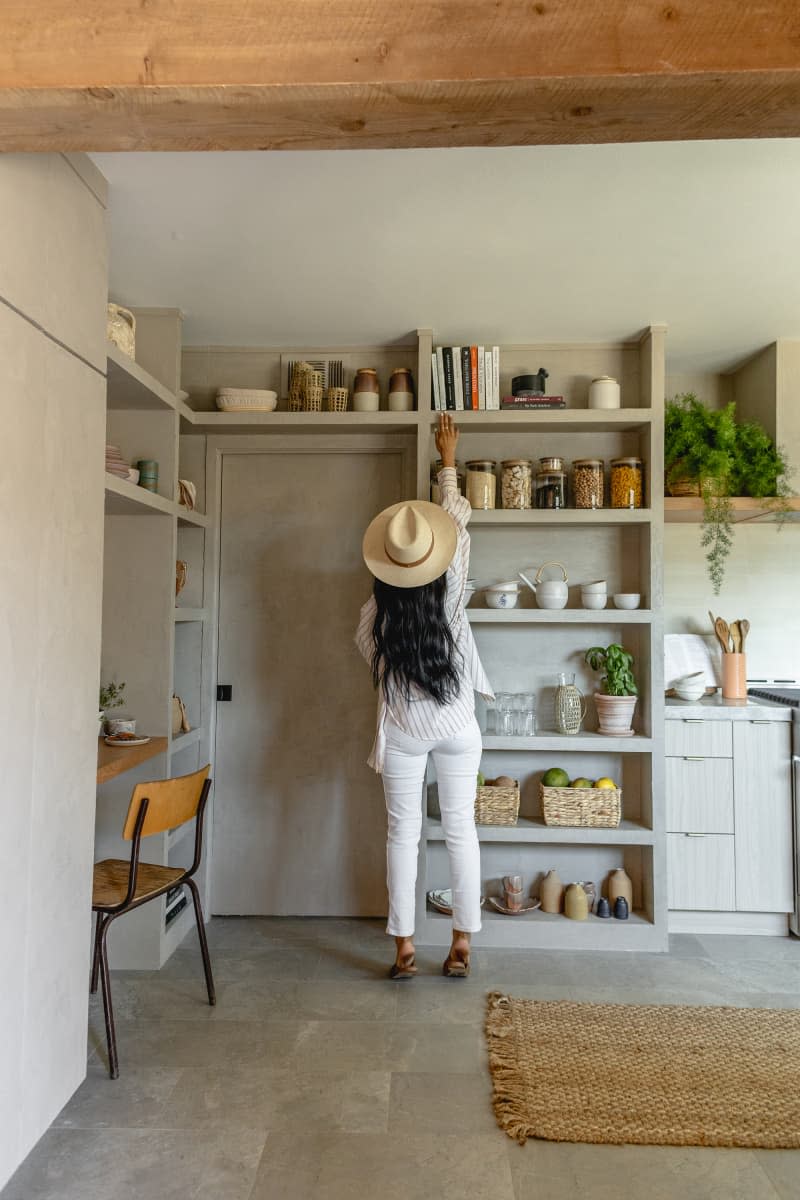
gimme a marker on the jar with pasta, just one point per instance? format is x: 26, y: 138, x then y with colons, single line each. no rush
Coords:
x: 516, y: 483
x: 481, y: 482
x: 626, y: 483
x: 587, y: 482
x: 551, y: 489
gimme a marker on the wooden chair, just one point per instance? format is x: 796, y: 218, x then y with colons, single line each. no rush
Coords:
x: 121, y: 885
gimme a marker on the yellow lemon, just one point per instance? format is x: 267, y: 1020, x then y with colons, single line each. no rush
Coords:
x: 604, y: 783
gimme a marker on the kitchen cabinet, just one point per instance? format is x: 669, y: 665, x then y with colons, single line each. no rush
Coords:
x: 729, y: 810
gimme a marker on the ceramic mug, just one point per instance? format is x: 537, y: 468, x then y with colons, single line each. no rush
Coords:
x: 116, y: 725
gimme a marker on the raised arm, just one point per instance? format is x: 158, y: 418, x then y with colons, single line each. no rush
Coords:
x: 452, y: 501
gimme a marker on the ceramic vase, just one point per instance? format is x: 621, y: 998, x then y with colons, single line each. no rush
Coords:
x: 614, y: 714
x: 576, y: 903
x: 401, y: 390
x: 734, y: 677
x: 366, y: 390
x: 551, y: 893
x: 619, y: 884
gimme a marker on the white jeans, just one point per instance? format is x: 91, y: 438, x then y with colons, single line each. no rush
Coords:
x: 457, y: 760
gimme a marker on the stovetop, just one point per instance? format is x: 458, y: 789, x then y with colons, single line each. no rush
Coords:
x: 778, y: 695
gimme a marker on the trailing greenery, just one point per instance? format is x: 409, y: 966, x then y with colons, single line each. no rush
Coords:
x: 111, y: 695
x: 617, y: 662
x: 726, y: 458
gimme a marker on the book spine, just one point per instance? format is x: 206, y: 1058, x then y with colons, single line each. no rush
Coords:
x: 435, y: 402
x: 440, y: 373
x: 473, y: 370
x: 457, y: 383
x: 488, y: 377
x: 496, y: 377
x: 521, y: 402
x: 466, y: 377
x: 481, y: 378
x: 449, y: 382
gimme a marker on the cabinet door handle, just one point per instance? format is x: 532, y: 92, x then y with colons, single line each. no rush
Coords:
x: 754, y: 721
x: 695, y: 835
x: 693, y: 758
x: 692, y: 720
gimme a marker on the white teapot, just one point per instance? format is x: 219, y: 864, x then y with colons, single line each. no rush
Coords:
x: 549, y: 593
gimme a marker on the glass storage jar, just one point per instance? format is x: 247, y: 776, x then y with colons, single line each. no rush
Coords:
x: 481, y: 482
x: 553, y: 462
x: 587, y: 482
x: 516, y: 483
x: 436, y: 467
x: 626, y: 483
x: 551, y: 489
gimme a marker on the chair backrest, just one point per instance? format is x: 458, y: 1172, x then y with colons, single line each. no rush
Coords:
x: 172, y: 802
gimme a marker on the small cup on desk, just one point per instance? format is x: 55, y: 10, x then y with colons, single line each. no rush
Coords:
x: 116, y: 725
x: 512, y: 885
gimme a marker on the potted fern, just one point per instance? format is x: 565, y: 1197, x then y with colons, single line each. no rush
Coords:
x: 616, y: 701
x: 707, y: 453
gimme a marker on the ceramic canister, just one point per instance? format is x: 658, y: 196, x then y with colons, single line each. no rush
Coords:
x: 366, y: 390
x: 604, y: 393
x: 576, y: 903
x: 148, y: 474
x: 619, y: 884
x: 401, y: 390
x: 551, y: 893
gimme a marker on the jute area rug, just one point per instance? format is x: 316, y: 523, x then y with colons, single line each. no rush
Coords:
x: 653, y: 1074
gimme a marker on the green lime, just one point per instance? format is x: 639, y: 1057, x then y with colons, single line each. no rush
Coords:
x: 555, y: 777
x: 581, y: 782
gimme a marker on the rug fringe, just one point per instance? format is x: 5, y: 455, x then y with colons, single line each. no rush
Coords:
x: 499, y: 1028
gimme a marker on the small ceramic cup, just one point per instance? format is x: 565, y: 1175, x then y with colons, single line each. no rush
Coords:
x: 593, y: 599
x: 116, y: 725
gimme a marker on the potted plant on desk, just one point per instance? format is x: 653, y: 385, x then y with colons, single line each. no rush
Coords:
x: 110, y: 697
x: 615, y: 704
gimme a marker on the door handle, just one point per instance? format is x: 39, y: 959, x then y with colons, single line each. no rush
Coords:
x: 753, y: 721
x: 695, y: 835
x: 692, y: 720
x: 693, y: 758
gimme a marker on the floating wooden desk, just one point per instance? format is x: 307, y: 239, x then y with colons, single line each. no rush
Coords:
x: 115, y: 760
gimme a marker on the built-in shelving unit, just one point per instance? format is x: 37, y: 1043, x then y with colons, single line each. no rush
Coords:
x: 154, y: 646
x: 689, y: 509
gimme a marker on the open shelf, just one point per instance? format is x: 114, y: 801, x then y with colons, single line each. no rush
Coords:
x: 130, y: 386
x: 115, y: 760
x: 548, y: 931
x: 181, y: 740
x: 530, y: 830
x: 303, y: 422
x: 588, y: 518
x: 560, y: 616
x: 680, y: 509
x: 191, y: 517
x: 124, y: 499
x: 548, y: 741
x: 559, y: 420
x: 190, y: 614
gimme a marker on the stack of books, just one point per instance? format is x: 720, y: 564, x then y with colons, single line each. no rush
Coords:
x: 524, y: 402
x: 465, y: 377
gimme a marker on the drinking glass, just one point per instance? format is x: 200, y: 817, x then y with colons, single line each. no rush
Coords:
x: 526, y: 715
x: 505, y: 714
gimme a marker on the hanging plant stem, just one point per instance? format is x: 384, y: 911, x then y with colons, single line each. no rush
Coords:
x: 716, y: 534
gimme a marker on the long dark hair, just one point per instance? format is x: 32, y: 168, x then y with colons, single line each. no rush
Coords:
x: 413, y: 641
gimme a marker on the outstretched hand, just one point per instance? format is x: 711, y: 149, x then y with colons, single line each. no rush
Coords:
x: 446, y: 438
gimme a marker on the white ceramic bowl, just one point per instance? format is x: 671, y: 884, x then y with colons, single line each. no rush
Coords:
x: 690, y: 691
x: 502, y: 597
x: 593, y: 599
x: 626, y: 599
x: 599, y: 585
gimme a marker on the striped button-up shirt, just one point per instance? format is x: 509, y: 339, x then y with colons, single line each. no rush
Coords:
x: 420, y: 716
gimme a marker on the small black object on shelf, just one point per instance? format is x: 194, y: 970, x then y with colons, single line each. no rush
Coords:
x: 603, y: 909
x: 530, y: 385
x: 621, y: 908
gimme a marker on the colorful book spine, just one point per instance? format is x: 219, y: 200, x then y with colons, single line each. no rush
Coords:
x: 449, y: 378
x: 473, y: 368
x: 481, y: 378
x: 457, y: 382
x: 466, y: 377
x: 435, y: 402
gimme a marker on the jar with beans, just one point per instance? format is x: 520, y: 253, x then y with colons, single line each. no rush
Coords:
x: 516, y: 483
x: 587, y: 482
x: 551, y: 489
x: 481, y: 482
x: 626, y: 483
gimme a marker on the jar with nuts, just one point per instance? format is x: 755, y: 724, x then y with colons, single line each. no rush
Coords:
x: 626, y: 483
x: 587, y: 482
x: 516, y: 482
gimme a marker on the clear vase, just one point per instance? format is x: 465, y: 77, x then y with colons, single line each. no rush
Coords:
x: 570, y: 705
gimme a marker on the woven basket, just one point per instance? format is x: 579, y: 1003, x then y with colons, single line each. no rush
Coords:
x: 684, y: 487
x: 337, y: 399
x: 584, y: 808
x: 312, y: 398
x: 121, y: 329
x: 246, y: 400
x: 497, y: 805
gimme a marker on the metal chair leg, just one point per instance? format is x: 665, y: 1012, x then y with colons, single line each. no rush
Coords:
x: 201, y: 933
x: 98, y: 926
x: 108, y: 1010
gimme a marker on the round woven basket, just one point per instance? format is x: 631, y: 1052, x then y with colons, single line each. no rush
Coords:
x: 684, y: 487
x: 337, y: 399
x: 312, y: 398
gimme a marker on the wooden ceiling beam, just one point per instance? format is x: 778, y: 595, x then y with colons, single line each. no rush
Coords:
x: 310, y: 74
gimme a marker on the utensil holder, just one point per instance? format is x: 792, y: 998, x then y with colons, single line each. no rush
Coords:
x: 734, y: 676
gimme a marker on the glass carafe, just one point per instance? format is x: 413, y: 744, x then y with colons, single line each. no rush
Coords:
x: 569, y: 706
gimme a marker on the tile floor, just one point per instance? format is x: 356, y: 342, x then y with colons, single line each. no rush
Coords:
x: 317, y: 1077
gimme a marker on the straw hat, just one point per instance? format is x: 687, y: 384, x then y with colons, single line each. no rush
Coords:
x: 410, y: 544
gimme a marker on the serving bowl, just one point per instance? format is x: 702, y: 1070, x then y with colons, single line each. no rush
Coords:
x: 690, y: 691
x: 626, y: 599
x: 597, y: 585
x: 593, y: 599
x: 246, y: 400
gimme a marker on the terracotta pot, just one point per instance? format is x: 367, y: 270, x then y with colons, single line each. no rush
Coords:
x: 615, y: 714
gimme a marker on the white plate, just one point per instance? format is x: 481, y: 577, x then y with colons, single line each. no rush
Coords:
x: 442, y: 900
x: 139, y: 741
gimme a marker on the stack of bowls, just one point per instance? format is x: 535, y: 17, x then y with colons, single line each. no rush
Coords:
x: 502, y: 595
x: 594, y: 595
x: 690, y: 687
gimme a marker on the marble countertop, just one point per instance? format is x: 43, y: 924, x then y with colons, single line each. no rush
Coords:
x: 715, y: 708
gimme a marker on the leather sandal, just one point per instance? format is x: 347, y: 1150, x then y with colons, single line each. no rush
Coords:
x: 405, y: 969
x: 456, y: 968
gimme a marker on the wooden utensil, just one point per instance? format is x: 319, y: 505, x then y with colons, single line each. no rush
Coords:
x: 723, y: 634
x: 736, y: 637
x: 744, y: 629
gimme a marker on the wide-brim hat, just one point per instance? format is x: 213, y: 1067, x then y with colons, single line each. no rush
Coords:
x: 410, y: 544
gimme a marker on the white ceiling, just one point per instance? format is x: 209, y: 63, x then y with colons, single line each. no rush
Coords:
x: 521, y: 244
